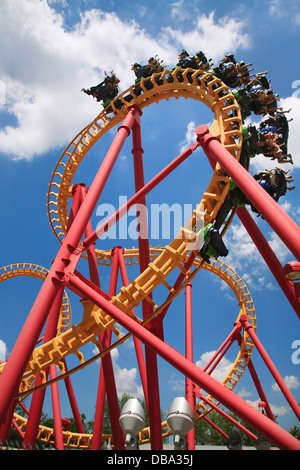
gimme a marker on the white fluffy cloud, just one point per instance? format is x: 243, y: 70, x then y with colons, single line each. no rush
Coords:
x: 216, y: 37
x: 44, y: 66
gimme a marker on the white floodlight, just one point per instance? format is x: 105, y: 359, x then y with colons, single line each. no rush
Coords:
x: 132, y: 421
x: 180, y: 420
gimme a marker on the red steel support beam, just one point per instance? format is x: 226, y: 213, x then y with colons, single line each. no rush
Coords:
x: 230, y: 400
x: 58, y: 430
x: 73, y: 402
x: 280, y: 382
x: 189, y: 354
x: 287, y: 230
x: 143, y: 241
x: 214, y: 426
x: 137, y: 343
x: 227, y: 416
x: 179, y: 281
x: 107, y: 382
x: 228, y: 341
x: 22, y: 350
x: 260, y: 390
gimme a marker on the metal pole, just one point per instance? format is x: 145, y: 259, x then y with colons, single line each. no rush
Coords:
x: 189, y: 354
x: 108, y: 385
x: 38, y: 396
x: 58, y: 430
x: 287, y: 230
x: 137, y: 343
x: 143, y: 241
x: 260, y: 390
x: 73, y: 402
x: 233, y: 402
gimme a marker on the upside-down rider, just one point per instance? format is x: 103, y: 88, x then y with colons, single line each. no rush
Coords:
x: 106, y: 91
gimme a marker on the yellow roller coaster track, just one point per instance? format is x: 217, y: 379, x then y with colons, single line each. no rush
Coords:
x: 33, y: 270
x: 227, y: 125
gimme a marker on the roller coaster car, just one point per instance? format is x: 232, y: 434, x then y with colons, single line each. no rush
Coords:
x: 232, y: 73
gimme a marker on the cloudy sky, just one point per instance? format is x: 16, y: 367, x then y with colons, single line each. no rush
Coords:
x: 50, y: 50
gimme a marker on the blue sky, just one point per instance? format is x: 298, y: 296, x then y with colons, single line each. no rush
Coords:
x: 52, y: 49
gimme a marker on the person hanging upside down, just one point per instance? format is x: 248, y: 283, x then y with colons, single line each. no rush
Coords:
x: 106, y: 91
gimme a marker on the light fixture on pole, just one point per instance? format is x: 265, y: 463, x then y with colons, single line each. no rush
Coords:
x: 180, y: 420
x: 132, y: 421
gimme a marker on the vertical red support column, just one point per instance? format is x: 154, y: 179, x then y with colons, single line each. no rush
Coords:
x: 137, y: 343
x: 151, y: 358
x: 58, y: 430
x: 20, y: 355
x: 287, y: 230
x: 107, y: 382
x: 189, y: 354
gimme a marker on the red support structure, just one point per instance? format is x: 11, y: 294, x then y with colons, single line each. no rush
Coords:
x: 107, y: 382
x: 47, y: 306
x: 20, y: 355
x: 73, y: 403
x: 233, y: 402
x: 223, y: 348
x: 137, y: 343
x: 143, y: 241
x: 227, y: 416
x: 189, y: 354
x: 58, y: 430
x: 260, y: 390
x: 280, y: 382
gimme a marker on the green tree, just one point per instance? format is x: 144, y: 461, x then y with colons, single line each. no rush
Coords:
x: 295, y: 431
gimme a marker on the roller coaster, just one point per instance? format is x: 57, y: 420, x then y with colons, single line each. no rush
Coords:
x: 36, y: 362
